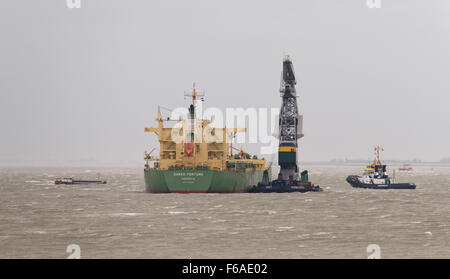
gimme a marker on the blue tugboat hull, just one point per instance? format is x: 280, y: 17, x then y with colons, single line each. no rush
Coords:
x: 354, y: 182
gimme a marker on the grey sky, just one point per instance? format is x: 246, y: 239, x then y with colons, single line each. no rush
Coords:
x: 81, y: 84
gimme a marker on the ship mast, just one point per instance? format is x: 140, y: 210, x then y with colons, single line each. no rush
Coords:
x: 189, y: 145
x: 194, y: 94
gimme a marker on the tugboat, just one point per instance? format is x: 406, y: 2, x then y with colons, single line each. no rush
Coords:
x: 376, y: 177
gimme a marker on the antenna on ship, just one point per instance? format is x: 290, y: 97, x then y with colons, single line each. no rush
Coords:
x: 194, y: 95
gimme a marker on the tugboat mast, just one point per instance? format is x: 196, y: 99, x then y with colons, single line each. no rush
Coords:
x: 377, y: 150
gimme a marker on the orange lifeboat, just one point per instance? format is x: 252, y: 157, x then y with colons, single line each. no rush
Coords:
x: 189, y: 148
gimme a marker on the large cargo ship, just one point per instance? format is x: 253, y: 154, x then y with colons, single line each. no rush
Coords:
x: 197, y: 158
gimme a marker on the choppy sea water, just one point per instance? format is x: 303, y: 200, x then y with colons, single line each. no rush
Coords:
x: 39, y: 219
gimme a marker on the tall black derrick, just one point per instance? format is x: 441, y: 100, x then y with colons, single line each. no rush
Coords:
x: 290, y: 131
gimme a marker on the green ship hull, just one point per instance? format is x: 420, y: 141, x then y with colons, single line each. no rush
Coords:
x: 200, y: 181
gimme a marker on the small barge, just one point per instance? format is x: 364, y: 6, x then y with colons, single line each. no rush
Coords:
x: 70, y: 180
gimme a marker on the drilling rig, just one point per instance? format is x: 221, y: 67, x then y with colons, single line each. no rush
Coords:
x: 290, y: 124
